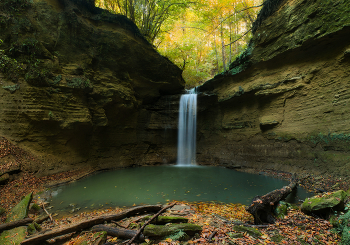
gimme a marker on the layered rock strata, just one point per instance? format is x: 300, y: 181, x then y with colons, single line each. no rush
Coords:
x: 76, y: 86
x: 284, y: 103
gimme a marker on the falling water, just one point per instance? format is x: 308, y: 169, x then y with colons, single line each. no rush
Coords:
x: 186, y: 146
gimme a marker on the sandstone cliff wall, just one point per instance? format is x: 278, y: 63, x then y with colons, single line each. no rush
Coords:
x: 76, y: 87
x: 284, y: 103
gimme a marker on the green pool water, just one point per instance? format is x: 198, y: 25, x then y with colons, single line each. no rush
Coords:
x: 161, y: 184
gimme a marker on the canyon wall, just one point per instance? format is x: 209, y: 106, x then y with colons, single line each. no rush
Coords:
x: 79, y: 88
x: 285, y: 102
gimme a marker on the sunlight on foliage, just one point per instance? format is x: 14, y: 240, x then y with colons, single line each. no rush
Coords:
x: 201, y: 37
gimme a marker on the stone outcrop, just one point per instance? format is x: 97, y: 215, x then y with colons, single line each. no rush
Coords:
x: 325, y: 204
x: 77, y: 84
x: 284, y: 103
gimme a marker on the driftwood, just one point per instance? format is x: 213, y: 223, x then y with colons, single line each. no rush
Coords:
x: 14, y: 224
x: 43, y: 206
x: 118, y: 232
x: 149, y: 221
x: 262, y: 207
x: 41, y: 237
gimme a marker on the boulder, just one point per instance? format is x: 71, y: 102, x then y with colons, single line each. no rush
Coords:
x: 323, y: 204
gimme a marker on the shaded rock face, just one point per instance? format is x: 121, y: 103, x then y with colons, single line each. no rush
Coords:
x: 284, y: 103
x: 85, y: 88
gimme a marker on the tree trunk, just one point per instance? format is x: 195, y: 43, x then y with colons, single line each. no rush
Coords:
x: 223, y: 48
x: 118, y: 232
x: 262, y: 207
x: 14, y: 224
x: 42, y: 236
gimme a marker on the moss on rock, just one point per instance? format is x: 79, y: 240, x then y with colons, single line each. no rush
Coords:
x: 167, y: 230
x: 322, y: 204
x: 14, y: 236
x: 20, y: 211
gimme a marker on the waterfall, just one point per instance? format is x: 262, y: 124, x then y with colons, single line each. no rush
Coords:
x: 186, y: 146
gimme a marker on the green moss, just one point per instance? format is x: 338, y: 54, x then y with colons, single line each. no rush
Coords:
x: 249, y: 230
x: 13, y: 6
x: 20, y: 211
x: 329, y: 138
x: 38, y: 77
x: 168, y: 230
x: 31, y: 229
x: 79, y: 82
x: 327, y: 201
x: 341, y: 226
x: 29, y: 47
x: 10, y: 67
x: 35, y: 207
x: 37, y: 226
x: 14, y: 236
x: 242, y: 62
x: 56, y: 80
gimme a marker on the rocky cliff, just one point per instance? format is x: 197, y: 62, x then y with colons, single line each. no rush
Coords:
x: 284, y: 103
x: 76, y: 87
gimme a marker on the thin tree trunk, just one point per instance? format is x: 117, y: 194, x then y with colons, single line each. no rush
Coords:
x: 216, y: 53
x: 223, y: 48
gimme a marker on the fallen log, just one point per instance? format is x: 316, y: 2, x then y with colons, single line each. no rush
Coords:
x: 14, y: 224
x: 262, y: 207
x: 118, y: 232
x: 149, y: 221
x: 42, y: 236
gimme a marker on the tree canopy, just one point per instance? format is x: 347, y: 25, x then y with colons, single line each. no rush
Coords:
x: 200, y: 36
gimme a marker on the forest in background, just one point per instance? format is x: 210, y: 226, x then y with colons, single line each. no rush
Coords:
x: 202, y: 37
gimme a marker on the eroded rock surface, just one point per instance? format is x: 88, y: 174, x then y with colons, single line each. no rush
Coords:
x: 77, y: 86
x: 284, y: 103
